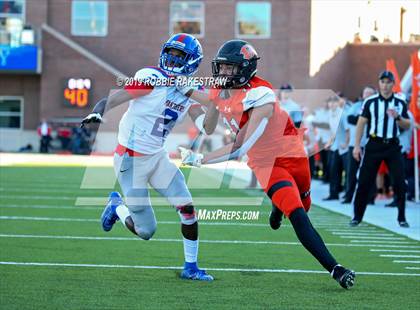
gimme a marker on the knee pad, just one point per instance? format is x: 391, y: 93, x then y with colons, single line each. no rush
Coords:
x: 145, y: 234
x: 187, y: 214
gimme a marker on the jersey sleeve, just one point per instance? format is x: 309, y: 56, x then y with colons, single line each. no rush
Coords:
x: 404, y: 112
x: 365, y: 109
x: 140, y: 85
x: 258, y: 96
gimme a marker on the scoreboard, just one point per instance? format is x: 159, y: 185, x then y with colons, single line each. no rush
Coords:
x: 76, y: 92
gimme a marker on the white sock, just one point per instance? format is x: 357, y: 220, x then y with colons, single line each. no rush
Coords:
x: 122, y: 212
x: 190, y: 250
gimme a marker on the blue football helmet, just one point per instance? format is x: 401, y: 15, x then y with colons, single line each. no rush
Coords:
x: 181, y: 65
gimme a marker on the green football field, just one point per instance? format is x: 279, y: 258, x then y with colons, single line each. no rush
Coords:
x: 54, y: 255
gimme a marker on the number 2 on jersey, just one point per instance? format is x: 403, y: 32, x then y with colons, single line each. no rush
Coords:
x: 164, y: 124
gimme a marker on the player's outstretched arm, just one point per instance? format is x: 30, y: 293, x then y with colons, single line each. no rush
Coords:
x: 246, y: 137
x: 105, y: 104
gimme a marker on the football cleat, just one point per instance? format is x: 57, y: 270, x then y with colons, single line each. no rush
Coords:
x: 109, y: 215
x: 354, y: 223
x: 403, y: 224
x: 196, y: 274
x: 345, y: 277
x: 275, y: 218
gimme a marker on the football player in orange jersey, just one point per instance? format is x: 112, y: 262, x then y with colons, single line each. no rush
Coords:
x: 274, y: 146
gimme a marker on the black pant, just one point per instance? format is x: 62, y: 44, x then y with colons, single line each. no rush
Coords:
x: 336, y: 173
x: 325, y: 167
x: 375, y: 151
x: 351, y: 178
x: 409, y: 170
x: 351, y: 174
x: 44, y: 144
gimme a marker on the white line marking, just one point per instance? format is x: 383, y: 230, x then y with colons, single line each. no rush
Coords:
x: 365, y: 229
x: 390, y: 250
x: 36, y: 218
x: 202, y: 241
x: 415, y: 268
x: 65, y: 219
x: 28, y: 198
x: 363, y: 234
x: 407, y: 261
x: 371, y: 237
x: 401, y: 256
x: 157, y: 201
x: 377, y: 241
x: 62, y: 219
x: 50, y: 207
x: 166, y: 209
x: 207, y: 268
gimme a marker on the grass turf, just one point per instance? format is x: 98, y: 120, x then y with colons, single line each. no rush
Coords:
x: 40, y: 202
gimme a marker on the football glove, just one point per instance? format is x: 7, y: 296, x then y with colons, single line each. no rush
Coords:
x: 91, y: 118
x: 190, y: 158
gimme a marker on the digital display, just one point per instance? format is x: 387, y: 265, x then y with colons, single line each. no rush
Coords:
x: 77, y: 92
x: 22, y: 59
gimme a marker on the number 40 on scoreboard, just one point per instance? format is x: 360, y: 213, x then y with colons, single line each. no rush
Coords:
x: 77, y: 92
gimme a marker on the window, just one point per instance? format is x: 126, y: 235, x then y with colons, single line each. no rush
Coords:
x: 253, y: 20
x: 12, y: 8
x: 89, y: 18
x: 11, y: 112
x: 12, y: 19
x: 188, y: 17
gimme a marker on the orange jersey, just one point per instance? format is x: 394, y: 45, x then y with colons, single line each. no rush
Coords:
x: 281, y: 139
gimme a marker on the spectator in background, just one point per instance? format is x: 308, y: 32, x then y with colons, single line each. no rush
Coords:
x: 292, y: 108
x: 405, y: 143
x: 64, y: 135
x: 352, y: 164
x: 339, y: 145
x: 44, y: 131
x: 320, y: 122
x: 309, y: 139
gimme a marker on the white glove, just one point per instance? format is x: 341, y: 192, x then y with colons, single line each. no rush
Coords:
x: 91, y: 118
x: 190, y: 158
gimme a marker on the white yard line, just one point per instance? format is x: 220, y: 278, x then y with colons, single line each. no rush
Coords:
x: 65, y: 219
x: 61, y: 219
x: 352, y: 230
x: 207, y: 268
x: 390, y: 250
x: 66, y: 207
x: 371, y: 237
x: 399, y: 256
x: 379, y: 241
x: 413, y: 268
x: 362, y: 234
x: 202, y: 241
x: 406, y: 261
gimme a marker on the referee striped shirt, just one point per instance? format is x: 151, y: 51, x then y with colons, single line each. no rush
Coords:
x: 380, y: 124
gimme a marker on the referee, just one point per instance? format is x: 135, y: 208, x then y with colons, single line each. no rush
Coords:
x: 384, y: 114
